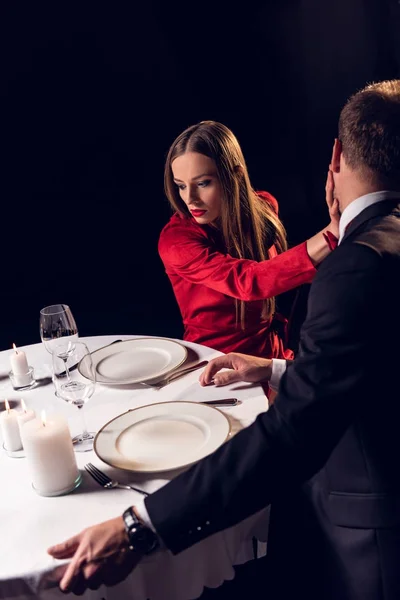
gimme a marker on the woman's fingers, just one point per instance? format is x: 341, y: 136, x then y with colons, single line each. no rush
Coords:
x: 329, y: 186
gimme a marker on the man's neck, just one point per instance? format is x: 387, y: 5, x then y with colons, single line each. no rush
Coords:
x: 351, y: 184
x: 355, y: 190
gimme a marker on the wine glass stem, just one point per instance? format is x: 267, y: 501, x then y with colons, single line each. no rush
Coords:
x: 67, y: 369
x: 84, y: 434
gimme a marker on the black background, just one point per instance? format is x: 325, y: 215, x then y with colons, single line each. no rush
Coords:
x: 92, y: 96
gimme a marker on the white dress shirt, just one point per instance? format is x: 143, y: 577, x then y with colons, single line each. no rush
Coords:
x: 355, y: 207
x: 279, y: 365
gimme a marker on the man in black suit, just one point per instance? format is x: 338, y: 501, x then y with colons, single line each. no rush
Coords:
x: 328, y: 449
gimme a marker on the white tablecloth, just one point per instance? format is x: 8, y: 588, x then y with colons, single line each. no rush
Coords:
x: 31, y: 523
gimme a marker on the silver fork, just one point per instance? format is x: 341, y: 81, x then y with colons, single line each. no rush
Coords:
x: 162, y: 382
x: 106, y: 482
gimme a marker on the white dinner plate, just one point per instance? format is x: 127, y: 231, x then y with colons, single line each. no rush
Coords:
x: 161, y: 436
x: 136, y: 361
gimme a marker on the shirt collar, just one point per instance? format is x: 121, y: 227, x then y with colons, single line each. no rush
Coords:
x: 357, y: 206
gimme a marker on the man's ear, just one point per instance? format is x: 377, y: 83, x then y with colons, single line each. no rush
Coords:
x: 336, y: 154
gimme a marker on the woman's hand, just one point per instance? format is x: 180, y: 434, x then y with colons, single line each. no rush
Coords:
x: 100, y: 555
x: 321, y: 244
x: 333, y: 204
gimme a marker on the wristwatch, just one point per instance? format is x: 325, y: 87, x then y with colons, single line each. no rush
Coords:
x: 141, y: 538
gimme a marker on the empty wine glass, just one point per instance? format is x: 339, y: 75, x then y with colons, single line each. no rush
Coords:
x: 57, y: 325
x: 74, y: 378
x: 57, y: 321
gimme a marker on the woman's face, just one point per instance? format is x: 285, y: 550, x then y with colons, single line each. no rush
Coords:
x: 199, y: 186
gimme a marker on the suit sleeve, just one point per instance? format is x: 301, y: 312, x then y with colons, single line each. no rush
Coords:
x: 189, y: 254
x: 319, y: 395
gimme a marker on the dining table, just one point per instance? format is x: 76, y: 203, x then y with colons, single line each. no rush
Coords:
x: 30, y: 523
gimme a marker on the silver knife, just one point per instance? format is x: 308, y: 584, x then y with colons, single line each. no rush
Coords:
x: 222, y: 402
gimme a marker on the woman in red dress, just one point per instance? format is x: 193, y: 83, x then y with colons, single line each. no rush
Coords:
x: 225, y: 250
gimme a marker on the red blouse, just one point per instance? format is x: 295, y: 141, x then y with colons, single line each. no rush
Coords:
x: 206, y: 280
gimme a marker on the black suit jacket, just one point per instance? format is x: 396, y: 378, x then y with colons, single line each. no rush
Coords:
x: 329, y: 448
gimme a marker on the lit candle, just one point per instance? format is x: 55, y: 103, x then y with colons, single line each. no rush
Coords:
x: 10, y: 429
x: 50, y: 455
x: 20, y: 367
x: 25, y: 415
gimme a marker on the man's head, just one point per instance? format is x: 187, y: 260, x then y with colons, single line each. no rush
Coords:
x: 366, y: 156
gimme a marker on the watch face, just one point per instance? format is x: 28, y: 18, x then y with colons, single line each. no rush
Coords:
x: 143, y: 539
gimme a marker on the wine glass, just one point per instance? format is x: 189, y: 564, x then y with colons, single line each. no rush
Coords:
x: 74, y: 378
x: 57, y: 321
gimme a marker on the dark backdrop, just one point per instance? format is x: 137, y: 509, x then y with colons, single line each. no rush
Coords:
x: 92, y: 97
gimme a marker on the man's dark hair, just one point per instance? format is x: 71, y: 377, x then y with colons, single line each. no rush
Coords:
x: 369, y: 130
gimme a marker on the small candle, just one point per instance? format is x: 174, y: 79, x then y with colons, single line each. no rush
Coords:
x: 25, y: 415
x: 10, y: 429
x: 20, y: 367
x: 50, y: 455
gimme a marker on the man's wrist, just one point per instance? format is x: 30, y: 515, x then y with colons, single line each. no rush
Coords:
x: 141, y: 538
x: 142, y: 514
x: 124, y: 532
x: 266, y: 372
x: 138, y: 515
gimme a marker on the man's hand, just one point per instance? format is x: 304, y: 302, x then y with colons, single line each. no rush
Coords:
x: 100, y: 555
x: 244, y: 368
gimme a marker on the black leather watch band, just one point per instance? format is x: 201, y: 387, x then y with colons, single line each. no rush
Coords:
x: 141, y: 538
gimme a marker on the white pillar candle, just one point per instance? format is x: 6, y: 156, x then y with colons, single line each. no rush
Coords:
x: 20, y: 367
x: 50, y: 455
x: 25, y: 415
x: 10, y: 429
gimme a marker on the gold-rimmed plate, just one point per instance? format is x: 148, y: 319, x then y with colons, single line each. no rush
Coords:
x: 161, y: 436
x: 136, y: 361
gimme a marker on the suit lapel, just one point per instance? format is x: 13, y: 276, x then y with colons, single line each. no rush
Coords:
x: 383, y: 208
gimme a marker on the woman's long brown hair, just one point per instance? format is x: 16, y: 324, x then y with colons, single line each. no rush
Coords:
x: 249, y: 224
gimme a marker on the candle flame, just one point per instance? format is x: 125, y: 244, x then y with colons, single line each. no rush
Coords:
x: 23, y: 405
x: 15, y: 348
x: 7, y: 405
x: 43, y: 417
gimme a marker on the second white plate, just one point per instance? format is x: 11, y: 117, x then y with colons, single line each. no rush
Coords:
x: 161, y: 436
x: 136, y: 361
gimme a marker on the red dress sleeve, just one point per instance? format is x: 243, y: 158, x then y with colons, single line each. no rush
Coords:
x: 270, y: 199
x: 187, y: 251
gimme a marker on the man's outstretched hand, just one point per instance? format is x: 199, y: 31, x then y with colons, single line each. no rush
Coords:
x: 243, y: 368
x: 100, y: 555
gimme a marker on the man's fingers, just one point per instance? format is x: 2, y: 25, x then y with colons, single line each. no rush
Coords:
x: 94, y: 574
x: 65, y: 549
x: 90, y: 569
x: 215, y: 365
x: 80, y: 586
x: 227, y: 377
x: 121, y: 568
x: 71, y: 576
